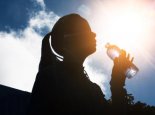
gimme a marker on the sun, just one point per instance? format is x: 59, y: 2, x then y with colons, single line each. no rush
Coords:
x: 127, y: 25
x: 125, y: 28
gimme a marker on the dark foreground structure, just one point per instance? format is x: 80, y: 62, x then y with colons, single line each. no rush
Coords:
x: 16, y: 102
x: 13, y: 101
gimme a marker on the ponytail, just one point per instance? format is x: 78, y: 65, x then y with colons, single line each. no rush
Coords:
x: 48, y: 58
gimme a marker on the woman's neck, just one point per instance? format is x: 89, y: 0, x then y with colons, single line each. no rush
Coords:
x: 72, y: 64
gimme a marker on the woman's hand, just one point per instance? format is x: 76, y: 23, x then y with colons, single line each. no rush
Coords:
x: 120, y: 65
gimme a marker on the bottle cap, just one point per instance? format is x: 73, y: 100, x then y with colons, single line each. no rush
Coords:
x: 107, y: 45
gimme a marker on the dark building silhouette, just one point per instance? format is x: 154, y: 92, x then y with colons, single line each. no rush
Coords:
x: 13, y: 101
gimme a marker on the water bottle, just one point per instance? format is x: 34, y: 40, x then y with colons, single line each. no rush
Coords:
x: 113, y: 51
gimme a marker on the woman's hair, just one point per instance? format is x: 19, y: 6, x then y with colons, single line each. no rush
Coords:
x: 67, y: 25
x: 47, y: 56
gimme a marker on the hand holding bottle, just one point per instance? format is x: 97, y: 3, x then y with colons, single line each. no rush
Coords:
x: 122, y: 63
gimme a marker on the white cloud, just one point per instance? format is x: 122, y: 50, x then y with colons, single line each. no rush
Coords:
x: 41, y: 3
x: 20, y: 51
x: 84, y: 10
x: 43, y: 20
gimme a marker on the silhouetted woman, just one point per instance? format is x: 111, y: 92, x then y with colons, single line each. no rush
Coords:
x: 61, y: 87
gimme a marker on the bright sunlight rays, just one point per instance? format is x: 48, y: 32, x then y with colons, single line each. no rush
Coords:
x: 128, y: 24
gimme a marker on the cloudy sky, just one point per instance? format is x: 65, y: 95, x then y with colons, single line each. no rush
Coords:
x: 127, y: 23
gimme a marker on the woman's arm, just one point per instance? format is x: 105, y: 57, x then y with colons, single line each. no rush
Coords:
x: 117, y: 82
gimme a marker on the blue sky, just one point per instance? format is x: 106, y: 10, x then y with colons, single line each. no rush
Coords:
x: 24, y: 23
x: 15, y: 13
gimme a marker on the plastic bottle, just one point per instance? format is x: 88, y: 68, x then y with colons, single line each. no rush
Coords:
x: 113, y: 51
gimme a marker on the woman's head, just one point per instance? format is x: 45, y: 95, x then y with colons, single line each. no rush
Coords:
x: 72, y: 35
